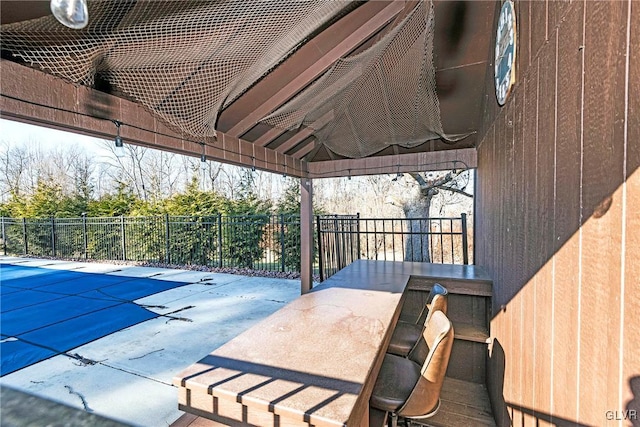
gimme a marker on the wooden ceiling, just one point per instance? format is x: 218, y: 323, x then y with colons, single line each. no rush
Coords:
x: 462, y: 54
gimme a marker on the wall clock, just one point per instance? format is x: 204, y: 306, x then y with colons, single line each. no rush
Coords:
x: 505, y: 53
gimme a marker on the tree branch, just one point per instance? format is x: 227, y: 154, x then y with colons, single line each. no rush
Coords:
x: 455, y: 190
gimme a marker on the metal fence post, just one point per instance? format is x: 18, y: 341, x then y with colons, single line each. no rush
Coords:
x: 203, y: 252
x: 220, y: 240
x: 465, y: 249
x: 53, y: 236
x: 167, y: 236
x: 282, y: 249
x: 4, y: 238
x: 320, y: 267
x: 123, y: 239
x: 85, y: 238
x: 340, y: 262
x: 358, y: 232
x: 24, y: 235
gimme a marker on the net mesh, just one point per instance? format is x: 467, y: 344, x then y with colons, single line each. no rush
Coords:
x: 187, y: 60
x: 183, y: 60
x: 382, y: 96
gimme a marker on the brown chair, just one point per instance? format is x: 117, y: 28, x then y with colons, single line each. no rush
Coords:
x: 420, y: 349
x: 406, y: 334
x: 406, y: 389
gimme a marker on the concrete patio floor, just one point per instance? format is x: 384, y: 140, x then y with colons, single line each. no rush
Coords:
x: 126, y: 376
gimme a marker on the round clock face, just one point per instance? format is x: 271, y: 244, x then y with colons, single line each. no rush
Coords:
x: 505, y: 58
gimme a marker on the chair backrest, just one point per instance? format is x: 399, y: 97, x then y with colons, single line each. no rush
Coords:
x: 436, y: 289
x: 421, y: 348
x: 424, y: 399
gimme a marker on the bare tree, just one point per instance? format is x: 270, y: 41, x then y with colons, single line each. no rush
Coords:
x: 15, y: 162
x: 430, y: 185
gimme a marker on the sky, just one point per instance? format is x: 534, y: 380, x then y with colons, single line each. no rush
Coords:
x: 16, y: 132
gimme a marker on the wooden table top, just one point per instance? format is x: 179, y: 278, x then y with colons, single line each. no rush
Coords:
x: 313, y: 360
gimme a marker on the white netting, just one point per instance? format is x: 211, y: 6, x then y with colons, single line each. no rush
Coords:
x: 382, y: 96
x: 183, y: 60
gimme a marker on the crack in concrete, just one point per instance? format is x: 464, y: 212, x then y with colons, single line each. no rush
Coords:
x: 146, y: 354
x: 84, y: 401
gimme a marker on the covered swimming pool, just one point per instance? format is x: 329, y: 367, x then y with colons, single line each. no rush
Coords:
x: 46, y: 312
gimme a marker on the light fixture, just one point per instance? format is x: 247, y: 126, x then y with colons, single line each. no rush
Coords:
x: 203, y: 162
x: 398, y: 175
x: 253, y: 164
x: 119, y: 150
x: 71, y: 13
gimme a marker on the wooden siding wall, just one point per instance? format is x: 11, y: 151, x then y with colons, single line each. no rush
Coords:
x: 558, y: 218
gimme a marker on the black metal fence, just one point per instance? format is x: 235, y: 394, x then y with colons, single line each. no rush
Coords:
x: 262, y: 242
x: 344, y: 238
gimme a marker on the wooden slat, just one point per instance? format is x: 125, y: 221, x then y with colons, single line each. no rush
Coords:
x: 326, y: 54
x: 462, y: 287
x: 631, y: 331
x: 468, y: 361
x: 34, y: 97
x: 414, y: 162
x: 524, y: 37
x: 190, y: 420
x: 603, y: 159
x: 545, y: 175
x: 513, y: 371
x: 567, y: 217
x: 462, y: 404
x: 469, y: 332
x: 532, y: 236
x: 538, y: 25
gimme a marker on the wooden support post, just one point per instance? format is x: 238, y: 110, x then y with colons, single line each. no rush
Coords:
x: 306, y: 235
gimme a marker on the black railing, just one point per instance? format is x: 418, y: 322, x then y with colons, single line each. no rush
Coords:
x: 343, y: 239
x: 261, y: 242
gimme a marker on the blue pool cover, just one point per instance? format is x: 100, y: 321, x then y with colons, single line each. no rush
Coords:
x: 45, y: 312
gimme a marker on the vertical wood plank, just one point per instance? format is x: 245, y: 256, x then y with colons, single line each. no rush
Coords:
x: 509, y: 204
x: 519, y: 280
x: 523, y: 22
x: 631, y: 321
x: 544, y: 213
x: 532, y: 238
x: 605, y: 46
x: 558, y: 10
x: 538, y: 26
x: 529, y: 174
x: 499, y: 183
x: 567, y: 217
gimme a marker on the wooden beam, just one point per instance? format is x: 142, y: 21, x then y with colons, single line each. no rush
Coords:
x: 323, y: 63
x: 413, y: 162
x: 305, y: 133
x: 269, y: 136
x: 34, y: 97
x: 304, y: 150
